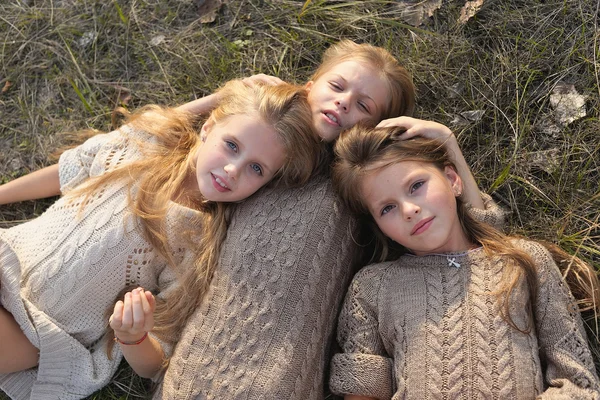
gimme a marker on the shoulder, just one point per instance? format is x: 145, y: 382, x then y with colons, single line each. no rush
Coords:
x: 374, y: 275
x: 536, y: 250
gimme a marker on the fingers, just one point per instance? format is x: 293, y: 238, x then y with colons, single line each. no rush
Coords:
x: 402, y: 122
x: 135, y: 314
x: 417, y: 127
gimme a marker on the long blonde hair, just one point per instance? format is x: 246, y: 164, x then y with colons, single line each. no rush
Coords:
x: 399, y: 80
x: 284, y: 107
x: 361, y: 150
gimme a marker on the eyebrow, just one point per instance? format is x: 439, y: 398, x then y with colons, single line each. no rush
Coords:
x: 402, y: 182
x: 241, y: 146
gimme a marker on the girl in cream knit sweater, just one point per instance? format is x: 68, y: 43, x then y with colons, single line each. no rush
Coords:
x: 145, y: 206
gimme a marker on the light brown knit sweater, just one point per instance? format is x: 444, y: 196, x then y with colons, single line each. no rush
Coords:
x: 265, y: 327
x: 423, y: 328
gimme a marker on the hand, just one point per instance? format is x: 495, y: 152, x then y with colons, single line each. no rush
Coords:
x: 133, y: 317
x: 263, y: 79
x: 418, y: 127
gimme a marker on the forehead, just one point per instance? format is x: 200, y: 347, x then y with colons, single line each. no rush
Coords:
x: 365, y: 77
x: 253, y: 135
x: 381, y: 180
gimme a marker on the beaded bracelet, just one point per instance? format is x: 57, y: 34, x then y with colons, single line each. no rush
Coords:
x: 116, y: 339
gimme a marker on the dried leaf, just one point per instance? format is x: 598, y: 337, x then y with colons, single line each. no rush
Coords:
x: 208, y: 10
x: 86, y: 39
x: 156, y: 40
x: 568, y: 105
x: 7, y: 86
x: 415, y: 14
x: 466, y: 117
x: 546, y: 160
x: 455, y: 90
x: 469, y: 10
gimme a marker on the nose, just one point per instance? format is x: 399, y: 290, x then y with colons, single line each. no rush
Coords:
x: 232, y: 170
x: 410, y: 210
x: 343, y: 102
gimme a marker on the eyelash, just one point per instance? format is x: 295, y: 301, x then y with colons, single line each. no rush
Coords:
x: 335, y: 85
x: 416, y: 186
x: 232, y: 146
x: 387, y: 209
x: 258, y: 171
x: 362, y: 105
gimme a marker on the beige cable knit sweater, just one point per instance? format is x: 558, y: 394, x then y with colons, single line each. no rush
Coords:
x: 427, y: 328
x: 62, y: 271
x: 265, y: 328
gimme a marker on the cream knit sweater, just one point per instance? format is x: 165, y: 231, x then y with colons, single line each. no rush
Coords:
x: 62, y: 271
x: 427, y: 328
x: 265, y: 328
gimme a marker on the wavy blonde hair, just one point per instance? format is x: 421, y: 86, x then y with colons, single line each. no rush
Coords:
x: 284, y: 107
x: 398, y: 79
x: 361, y: 150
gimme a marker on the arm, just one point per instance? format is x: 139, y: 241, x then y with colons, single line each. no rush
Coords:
x: 569, y: 366
x: 363, y: 370
x: 202, y: 105
x: 133, y: 318
x: 36, y: 185
x: 433, y: 130
x: 208, y: 103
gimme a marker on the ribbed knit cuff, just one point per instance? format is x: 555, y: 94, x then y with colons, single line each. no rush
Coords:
x: 492, y: 215
x: 362, y: 374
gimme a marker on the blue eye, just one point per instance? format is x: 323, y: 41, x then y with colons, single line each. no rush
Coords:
x: 232, y: 146
x: 416, y: 186
x: 387, y: 209
x: 256, y: 168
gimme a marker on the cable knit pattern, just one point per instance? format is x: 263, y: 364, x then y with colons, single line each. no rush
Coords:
x: 265, y: 327
x: 439, y: 327
x: 62, y: 271
x: 263, y: 330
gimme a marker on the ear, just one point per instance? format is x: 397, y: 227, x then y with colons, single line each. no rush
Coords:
x: 454, y: 180
x: 206, y: 127
x: 309, y: 85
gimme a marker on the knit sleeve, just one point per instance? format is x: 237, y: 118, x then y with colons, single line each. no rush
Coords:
x: 570, y: 371
x: 364, y: 368
x: 99, y: 154
x: 492, y: 214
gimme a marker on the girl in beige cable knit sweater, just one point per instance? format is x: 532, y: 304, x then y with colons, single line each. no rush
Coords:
x: 465, y: 312
x: 143, y: 206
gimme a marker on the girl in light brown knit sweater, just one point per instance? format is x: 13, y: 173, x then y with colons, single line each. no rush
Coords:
x: 465, y: 311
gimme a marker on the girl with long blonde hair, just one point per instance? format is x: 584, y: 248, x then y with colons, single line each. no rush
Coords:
x: 144, y: 211
x: 460, y: 309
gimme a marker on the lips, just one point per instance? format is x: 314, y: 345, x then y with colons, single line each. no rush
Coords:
x: 220, y: 183
x: 421, y: 226
x: 332, y: 118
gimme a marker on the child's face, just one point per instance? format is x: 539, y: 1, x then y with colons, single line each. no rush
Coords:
x: 414, y: 204
x: 240, y: 154
x: 346, y: 94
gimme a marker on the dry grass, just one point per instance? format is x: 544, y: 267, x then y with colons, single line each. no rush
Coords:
x: 70, y: 62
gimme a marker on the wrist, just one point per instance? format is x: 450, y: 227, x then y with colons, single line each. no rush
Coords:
x: 130, y: 340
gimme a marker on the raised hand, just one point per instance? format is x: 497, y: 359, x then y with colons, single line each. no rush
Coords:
x: 418, y: 127
x: 133, y: 317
